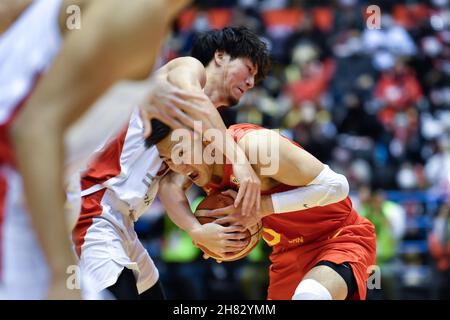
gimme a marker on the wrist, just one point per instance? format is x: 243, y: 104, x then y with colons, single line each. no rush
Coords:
x: 241, y: 162
x: 193, y: 231
x: 61, y: 269
x: 266, y: 206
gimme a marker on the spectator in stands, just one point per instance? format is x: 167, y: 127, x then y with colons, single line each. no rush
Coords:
x: 389, y: 221
x: 382, y: 117
x: 439, y: 243
x: 437, y: 168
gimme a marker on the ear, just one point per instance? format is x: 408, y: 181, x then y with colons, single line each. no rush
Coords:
x: 219, y: 57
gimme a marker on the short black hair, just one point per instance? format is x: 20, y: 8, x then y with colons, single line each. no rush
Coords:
x: 159, y: 132
x: 238, y: 42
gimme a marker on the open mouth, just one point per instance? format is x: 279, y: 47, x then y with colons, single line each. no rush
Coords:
x: 193, y: 175
x: 239, y: 91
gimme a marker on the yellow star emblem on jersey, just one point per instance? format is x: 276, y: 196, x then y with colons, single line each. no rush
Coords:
x: 207, y: 190
x: 234, y: 180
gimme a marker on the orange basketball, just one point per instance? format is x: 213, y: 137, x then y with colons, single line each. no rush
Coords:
x: 216, y: 201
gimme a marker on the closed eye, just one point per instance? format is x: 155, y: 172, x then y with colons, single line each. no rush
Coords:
x: 168, y: 161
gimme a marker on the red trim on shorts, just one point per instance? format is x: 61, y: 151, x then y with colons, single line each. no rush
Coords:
x: 3, y: 192
x: 90, y: 208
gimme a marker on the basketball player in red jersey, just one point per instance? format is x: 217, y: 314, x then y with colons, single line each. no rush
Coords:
x: 49, y: 77
x: 322, y: 248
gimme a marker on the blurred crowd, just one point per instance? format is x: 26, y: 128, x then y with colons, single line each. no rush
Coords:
x: 372, y: 102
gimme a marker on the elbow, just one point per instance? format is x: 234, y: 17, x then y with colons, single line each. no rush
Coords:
x: 31, y: 129
x: 21, y: 133
x: 164, y: 190
x: 343, y: 187
x: 15, y: 133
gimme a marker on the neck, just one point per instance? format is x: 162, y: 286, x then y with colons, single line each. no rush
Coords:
x: 214, y: 83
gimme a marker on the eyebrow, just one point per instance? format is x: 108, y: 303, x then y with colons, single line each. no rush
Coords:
x: 253, y: 67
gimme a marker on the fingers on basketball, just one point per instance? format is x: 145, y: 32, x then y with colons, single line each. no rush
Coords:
x: 253, y: 234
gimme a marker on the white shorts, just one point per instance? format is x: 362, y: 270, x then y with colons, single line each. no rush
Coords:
x: 24, y: 273
x: 23, y: 269
x: 107, y: 250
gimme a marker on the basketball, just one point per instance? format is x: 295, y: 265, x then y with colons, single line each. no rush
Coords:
x: 216, y: 201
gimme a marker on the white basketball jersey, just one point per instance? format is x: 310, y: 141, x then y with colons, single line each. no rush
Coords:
x: 27, y: 49
x: 128, y: 168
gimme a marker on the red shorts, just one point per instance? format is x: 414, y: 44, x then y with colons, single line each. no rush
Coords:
x: 354, y: 243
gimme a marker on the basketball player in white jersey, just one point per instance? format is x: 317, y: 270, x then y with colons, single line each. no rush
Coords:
x: 123, y: 179
x: 49, y: 76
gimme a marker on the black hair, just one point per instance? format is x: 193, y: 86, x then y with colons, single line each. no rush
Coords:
x: 238, y: 42
x: 159, y: 131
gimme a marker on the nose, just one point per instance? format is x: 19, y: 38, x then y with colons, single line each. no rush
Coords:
x: 177, y: 167
x: 250, y: 82
x: 173, y: 166
x: 181, y: 168
x: 185, y: 169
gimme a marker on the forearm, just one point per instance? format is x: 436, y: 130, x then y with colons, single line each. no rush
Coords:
x: 177, y: 206
x: 233, y: 151
x: 39, y: 155
x: 327, y: 188
x: 61, y: 96
x: 223, y: 141
x: 134, y: 33
x: 189, y: 74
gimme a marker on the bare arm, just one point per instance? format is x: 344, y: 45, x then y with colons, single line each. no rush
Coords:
x: 172, y: 194
x: 294, y: 166
x: 90, y: 61
x: 317, y: 184
x: 215, y: 237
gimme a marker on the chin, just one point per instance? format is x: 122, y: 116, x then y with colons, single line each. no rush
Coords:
x: 205, y: 178
x: 201, y: 183
x: 232, y: 101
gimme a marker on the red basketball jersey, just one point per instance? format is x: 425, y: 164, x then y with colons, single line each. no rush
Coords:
x: 283, y: 231
x: 301, y: 239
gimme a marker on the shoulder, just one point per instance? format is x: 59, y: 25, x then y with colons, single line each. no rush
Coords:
x: 260, y: 138
x: 185, y: 61
x: 261, y: 147
x: 182, y: 65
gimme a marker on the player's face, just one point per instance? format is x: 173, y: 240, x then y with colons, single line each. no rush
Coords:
x: 184, y: 158
x: 239, y: 77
